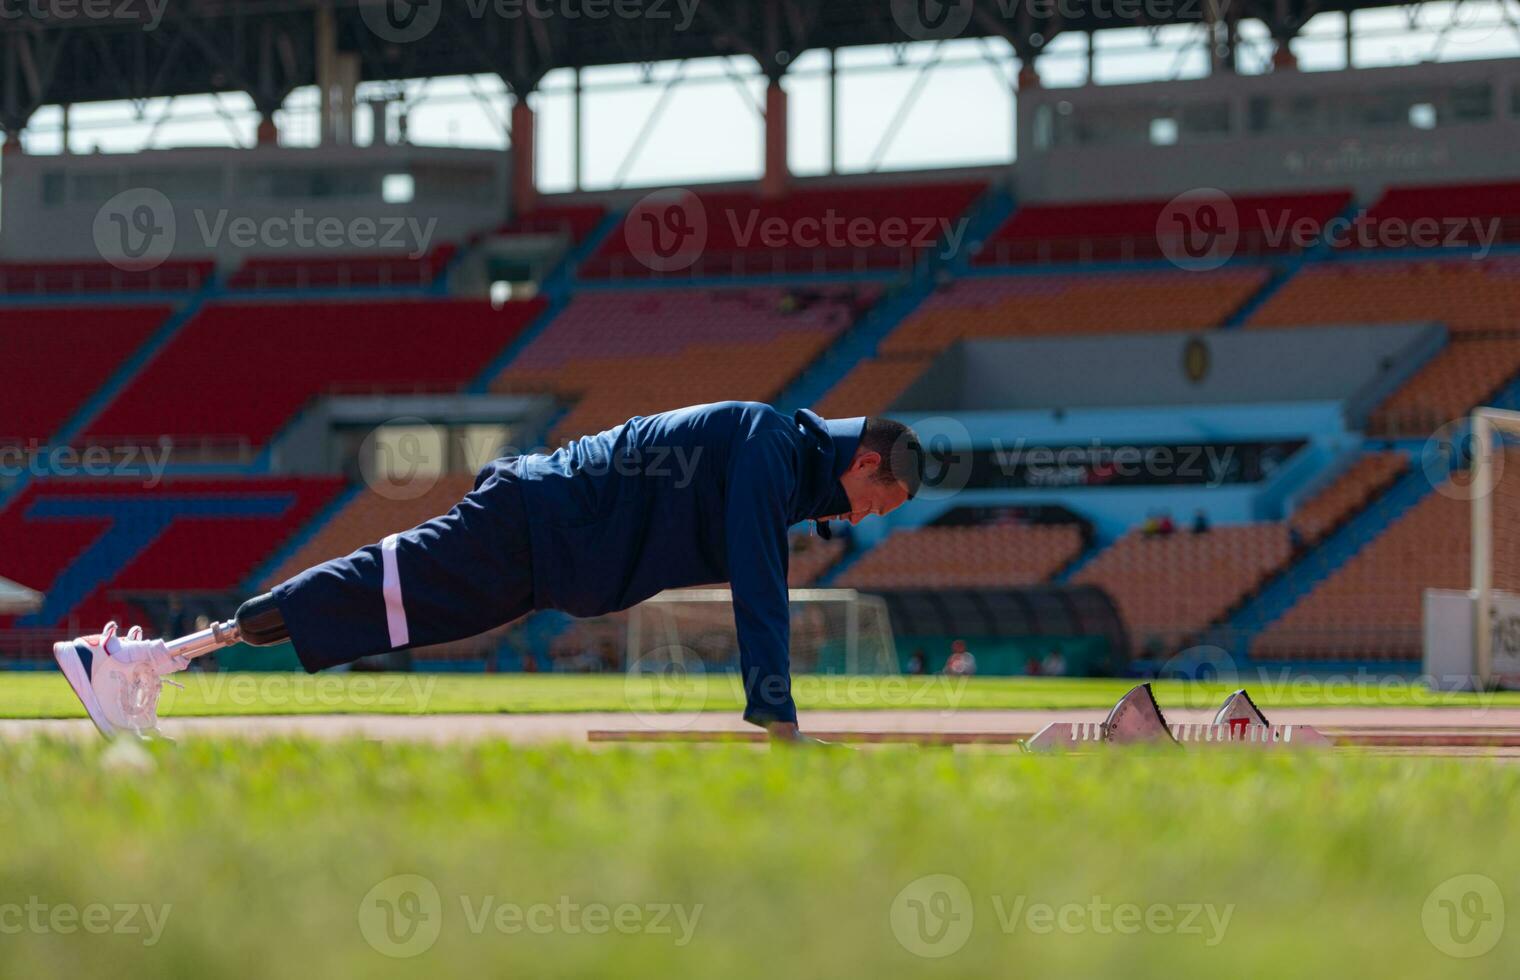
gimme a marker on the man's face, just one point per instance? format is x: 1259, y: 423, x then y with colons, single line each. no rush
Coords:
x: 867, y: 494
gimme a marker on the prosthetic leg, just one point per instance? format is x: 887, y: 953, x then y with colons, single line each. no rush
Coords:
x: 258, y: 623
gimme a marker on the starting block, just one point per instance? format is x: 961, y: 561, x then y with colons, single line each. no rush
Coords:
x: 1137, y: 720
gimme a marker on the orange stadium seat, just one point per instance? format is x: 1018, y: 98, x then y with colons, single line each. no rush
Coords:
x: 1179, y: 583
x: 1039, y: 306
x: 1466, y: 373
x: 366, y: 519
x: 951, y: 557
x: 810, y: 557
x: 1370, y: 607
x: 1346, y: 494
x: 1466, y: 295
x: 635, y: 352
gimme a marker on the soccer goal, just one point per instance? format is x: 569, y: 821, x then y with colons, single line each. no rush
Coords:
x: 834, y: 631
x: 1472, y: 637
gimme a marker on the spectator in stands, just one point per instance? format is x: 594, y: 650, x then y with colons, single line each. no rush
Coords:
x: 1165, y: 526
x: 1151, y: 527
x: 1055, y: 664
x: 918, y: 663
x: 961, y: 662
x: 1200, y: 522
x: 1032, y: 666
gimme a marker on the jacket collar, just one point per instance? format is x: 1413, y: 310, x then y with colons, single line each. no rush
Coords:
x: 831, y: 447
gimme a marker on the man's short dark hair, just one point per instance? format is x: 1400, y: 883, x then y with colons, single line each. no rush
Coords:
x: 902, y: 458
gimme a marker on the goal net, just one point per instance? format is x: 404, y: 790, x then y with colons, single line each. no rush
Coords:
x: 834, y: 631
x: 1493, y: 489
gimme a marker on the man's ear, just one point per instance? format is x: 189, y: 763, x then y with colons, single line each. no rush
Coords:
x: 869, y: 460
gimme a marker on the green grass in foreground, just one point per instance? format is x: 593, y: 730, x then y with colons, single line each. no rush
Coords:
x: 45, y: 694
x: 275, y: 859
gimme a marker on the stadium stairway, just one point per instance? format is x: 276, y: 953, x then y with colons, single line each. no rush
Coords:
x: 855, y: 344
x: 984, y: 217
x: 1317, y: 563
x: 300, y: 537
x: 983, y: 220
x: 1283, y: 272
x: 1094, y: 548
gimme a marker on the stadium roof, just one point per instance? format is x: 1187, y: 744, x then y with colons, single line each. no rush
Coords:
x: 73, y: 51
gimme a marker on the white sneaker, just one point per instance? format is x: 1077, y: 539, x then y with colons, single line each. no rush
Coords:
x: 118, y: 679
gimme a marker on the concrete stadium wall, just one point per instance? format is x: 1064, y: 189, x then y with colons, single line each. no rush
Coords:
x: 1111, y: 156
x: 1358, y: 365
x: 54, y: 207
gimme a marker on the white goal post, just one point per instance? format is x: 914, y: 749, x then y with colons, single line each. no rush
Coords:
x: 835, y: 631
x: 1491, y: 427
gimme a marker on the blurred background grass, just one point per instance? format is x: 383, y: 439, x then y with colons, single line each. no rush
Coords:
x: 265, y: 852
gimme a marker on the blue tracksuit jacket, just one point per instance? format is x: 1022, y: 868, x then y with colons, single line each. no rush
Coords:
x: 696, y: 496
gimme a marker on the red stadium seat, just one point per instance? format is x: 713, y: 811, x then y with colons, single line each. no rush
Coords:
x: 735, y: 246
x: 92, y: 340
x: 238, y: 372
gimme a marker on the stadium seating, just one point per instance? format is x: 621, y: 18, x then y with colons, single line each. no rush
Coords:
x: 83, y: 542
x: 966, y: 556
x: 365, y: 271
x: 93, y: 341
x: 1453, y: 212
x: 1348, y: 493
x: 737, y: 245
x: 238, y: 372
x: 1466, y: 373
x: 1124, y: 230
x: 811, y: 557
x: 366, y: 519
x: 1468, y: 296
x: 872, y: 385
x: 1039, y: 305
x: 1171, y: 585
x: 621, y: 353
x: 71, y: 278
x: 1370, y: 607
